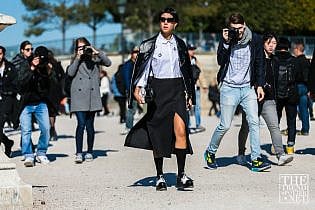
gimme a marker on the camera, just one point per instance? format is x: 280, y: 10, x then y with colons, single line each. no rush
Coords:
x: 233, y: 35
x: 87, y: 50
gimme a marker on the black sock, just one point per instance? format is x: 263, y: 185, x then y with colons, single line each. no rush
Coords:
x: 181, y: 159
x: 159, y: 165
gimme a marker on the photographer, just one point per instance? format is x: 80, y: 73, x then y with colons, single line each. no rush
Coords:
x: 34, y: 88
x: 85, y: 92
x: 241, y: 59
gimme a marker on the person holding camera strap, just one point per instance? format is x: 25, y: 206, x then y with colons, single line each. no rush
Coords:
x: 241, y: 59
x: 85, y: 92
x: 164, y: 129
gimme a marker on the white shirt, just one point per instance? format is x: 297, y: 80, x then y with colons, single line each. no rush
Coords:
x: 2, y: 70
x: 164, y: 62
x: 104, y: 87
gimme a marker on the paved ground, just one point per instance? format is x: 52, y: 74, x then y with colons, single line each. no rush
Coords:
x: 123, y: 178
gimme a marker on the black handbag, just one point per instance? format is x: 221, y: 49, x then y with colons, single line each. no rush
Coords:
x: 149, y: 92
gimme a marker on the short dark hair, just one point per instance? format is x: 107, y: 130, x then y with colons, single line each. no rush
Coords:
x: 24, y: 43
x: 283, y: 44
x: 235, y: 18
x: 3, y: 50
x: 171, y: 11
x: 299, y: 45
x: 268, y: 36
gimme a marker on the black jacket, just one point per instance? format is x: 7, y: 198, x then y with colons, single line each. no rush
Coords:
x: 33, y: 86
x: 256, y: 61
x: 312, y: 75
x: 303, y: 69
x: 8, y: 85
x: 146, y: 52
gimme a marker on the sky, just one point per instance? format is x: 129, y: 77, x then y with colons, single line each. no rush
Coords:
x: 14, y: 35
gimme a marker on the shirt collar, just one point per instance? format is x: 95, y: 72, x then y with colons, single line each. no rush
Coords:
x: 162, y: 40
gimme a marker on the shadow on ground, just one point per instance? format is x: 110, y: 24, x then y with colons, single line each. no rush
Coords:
x: 170, y: 179
x: 307, y: 151
x: 53, y: 157
x: 102, y: 153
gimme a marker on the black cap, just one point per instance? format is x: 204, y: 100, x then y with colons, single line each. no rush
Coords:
x: 42, y: 53
x: 191, y: 47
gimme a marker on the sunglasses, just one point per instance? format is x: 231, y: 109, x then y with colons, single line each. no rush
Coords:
x: 29, y: 49
x: 169, y: 20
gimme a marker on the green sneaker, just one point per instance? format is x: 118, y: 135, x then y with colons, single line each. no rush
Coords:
x: 210, y: 160
x: 258, y: 165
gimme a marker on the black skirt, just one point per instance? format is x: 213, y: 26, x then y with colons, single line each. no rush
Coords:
x: 155, y: 131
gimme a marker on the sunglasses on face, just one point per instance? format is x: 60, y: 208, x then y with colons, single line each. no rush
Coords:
x: 169, y: 20
x: 29, y: 49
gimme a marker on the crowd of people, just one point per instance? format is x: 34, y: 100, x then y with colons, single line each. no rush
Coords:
x: 257, y: 73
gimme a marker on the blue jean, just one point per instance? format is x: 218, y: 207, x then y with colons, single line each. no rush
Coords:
x: 85, y: 119
x: 230, y: 98
x: 197, y: 108
x: 40, y: 112
x: 303, y: 107
x: 130, y: 114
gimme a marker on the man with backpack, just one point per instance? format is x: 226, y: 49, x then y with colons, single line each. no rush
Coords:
x: 199, y: 83
x: 127, y: 74
x: 286, y: 89
x: 118, y: 90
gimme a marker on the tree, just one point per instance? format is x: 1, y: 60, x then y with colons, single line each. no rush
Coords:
x: 93, y: 13
x: 48, y: 15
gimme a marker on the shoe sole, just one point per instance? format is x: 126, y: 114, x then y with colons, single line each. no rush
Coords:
x: 162, y: 189
x: 286, y: 162
x: 261, y: 169
x: 78, y: 161
x: 29, y: 164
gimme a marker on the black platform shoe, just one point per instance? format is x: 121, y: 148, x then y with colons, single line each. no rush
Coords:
x: 183, y: 182
x: 160, y: 183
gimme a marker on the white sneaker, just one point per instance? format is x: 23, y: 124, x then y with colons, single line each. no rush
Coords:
x: 29, y: 162
x: 78, y: 158
x: 125, y: 131
x: 88, y: 157
x: 42, y: 159
x: 284, y: 159
x: 241, y: 160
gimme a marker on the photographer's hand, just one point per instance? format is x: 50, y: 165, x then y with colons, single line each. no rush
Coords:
x: 137, y: 95
x: 95, y: 52
x: 225, y: 35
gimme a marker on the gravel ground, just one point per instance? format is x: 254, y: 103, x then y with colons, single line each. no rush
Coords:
x: 123, y: 178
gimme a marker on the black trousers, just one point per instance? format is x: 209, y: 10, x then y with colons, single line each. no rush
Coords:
x: 291, y: 113
x: 122, y: 107
x: 6, y: 108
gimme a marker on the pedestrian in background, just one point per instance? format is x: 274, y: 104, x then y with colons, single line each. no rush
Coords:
x: 163, y: 66
x: 287, y: 96
x: 8, y: 92
x: 200, y: 83
x: 85, y: 92
x: 127, y: 69
x: 105, y: 90
x: 302, y: 80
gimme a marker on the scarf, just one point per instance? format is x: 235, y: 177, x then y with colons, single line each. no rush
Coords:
x: 247, y: 36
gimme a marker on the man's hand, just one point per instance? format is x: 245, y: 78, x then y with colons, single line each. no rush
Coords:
x: 138, y: 96
x: 225, y: 34
x: 260, y: 93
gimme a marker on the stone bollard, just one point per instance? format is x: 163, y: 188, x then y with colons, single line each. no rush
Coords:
x: 14, y: 193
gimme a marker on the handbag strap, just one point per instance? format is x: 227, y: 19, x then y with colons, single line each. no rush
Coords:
x: 150, y: 78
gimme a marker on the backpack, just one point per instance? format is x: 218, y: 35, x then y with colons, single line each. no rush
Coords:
x: 286, y: 87
x: 195, y: 72
x: 119, y: 79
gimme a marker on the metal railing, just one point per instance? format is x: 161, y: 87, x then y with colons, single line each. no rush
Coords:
x: 112, y: 43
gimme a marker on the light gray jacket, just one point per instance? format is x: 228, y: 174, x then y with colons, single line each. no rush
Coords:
x: 85, y: 87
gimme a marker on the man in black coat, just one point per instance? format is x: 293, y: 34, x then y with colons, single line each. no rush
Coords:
x: 8, y: 91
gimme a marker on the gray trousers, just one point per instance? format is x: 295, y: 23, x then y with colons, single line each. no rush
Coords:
x: 269, y: 113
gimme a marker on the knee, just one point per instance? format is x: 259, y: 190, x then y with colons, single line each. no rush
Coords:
x: 223, y: 128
